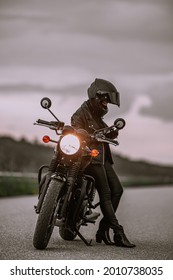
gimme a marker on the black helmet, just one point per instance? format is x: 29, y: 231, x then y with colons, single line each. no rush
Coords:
x: 102, y: 87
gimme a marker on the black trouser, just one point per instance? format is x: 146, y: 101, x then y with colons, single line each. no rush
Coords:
x: 110, y: 190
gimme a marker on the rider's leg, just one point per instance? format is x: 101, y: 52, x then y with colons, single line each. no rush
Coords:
x: 108, y: 202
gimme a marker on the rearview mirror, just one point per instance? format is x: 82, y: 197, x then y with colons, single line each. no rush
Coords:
x: 46, y: 103
x: 119, y: 123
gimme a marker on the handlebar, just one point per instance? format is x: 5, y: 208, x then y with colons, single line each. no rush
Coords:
x: 102, y: 138
x: 105, y: 130
x: 43, y: 122
x: 52, y: 125
x: 98, y: 135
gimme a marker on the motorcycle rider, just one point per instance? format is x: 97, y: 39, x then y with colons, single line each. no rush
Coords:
x: 90, y: 117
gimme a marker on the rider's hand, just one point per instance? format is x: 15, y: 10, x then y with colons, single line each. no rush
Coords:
x: 112, y: 134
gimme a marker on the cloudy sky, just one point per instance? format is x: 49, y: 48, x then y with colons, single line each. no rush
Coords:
x: 57, y: 48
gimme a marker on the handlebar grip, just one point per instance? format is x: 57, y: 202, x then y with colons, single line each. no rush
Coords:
x: 43, y: 122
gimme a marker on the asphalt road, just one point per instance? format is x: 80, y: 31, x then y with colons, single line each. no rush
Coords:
x: 146, y: 214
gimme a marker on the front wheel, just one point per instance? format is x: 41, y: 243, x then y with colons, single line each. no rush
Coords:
x: 47, y: 215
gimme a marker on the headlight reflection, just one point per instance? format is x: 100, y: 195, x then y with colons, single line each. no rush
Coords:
x: 69, y: 144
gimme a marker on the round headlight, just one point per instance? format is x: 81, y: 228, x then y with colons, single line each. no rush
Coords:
x: 69, y: 144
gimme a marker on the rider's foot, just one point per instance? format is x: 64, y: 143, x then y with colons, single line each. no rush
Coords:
x: 92, y: 215
x: 103, y: 235
x: 121, y: 240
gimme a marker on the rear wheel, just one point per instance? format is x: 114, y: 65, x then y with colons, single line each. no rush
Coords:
x: 67, y: 233
x: 47, y: 215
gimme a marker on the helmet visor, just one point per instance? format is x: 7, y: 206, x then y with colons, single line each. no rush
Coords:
x: 114, y: 97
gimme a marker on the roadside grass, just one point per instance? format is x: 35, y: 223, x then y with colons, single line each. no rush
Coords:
x: 144, y: 181
x: 14, y: 186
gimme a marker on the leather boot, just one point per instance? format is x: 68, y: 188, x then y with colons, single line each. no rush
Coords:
x: 121, y: 240
x: 103, y: 235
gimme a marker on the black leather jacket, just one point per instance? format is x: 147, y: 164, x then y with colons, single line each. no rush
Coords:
x: 85, y: 118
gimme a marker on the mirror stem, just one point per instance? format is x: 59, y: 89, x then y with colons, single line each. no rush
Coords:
x: 53, y: 114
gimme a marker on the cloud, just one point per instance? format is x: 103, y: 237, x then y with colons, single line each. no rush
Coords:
x: 145, y: 137
x: 114, y: 37
x: 161, y: 102
x: 48, y: 78
x: 71, y: 81
x: 115, y: 19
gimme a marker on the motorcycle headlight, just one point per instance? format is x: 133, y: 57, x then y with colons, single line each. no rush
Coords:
x: 69, y: 144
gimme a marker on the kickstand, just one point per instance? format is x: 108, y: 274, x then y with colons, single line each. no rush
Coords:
x: 83, y: 238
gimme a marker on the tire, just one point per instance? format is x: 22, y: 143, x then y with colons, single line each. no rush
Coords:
x: 46, y: 218
x: 67, y: 233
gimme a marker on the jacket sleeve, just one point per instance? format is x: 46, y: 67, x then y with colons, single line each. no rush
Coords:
x: 77, y: 121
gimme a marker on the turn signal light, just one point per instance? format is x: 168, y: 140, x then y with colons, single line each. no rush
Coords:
x: 46, y: 139
x: 94, y: 153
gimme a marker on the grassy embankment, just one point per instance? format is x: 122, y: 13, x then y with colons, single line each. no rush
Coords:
x: 14, y: 186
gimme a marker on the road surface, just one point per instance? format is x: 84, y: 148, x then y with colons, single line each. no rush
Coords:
x: 145, y: 213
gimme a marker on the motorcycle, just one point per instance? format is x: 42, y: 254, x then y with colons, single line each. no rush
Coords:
x: 66, y: 193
